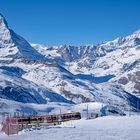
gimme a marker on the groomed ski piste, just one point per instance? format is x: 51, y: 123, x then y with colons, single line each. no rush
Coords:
x: 102, y: 128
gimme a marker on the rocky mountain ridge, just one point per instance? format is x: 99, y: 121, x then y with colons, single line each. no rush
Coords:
x: 32, y: 73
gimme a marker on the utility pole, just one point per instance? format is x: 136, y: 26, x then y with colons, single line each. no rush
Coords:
x: 129, y: 110
x: 138, y: 107
x: 87, y: 112
x: 60, y: 110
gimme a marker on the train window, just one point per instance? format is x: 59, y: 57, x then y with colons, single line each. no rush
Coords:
x: 77, y: 116
x: 72, y: 116
x: 25, y: 120
x: 19, y: 120
x: 39, y: 119
x: 54, y: 118
x: 66, y: 117
x: 49, y: 118
x: 34, y: 119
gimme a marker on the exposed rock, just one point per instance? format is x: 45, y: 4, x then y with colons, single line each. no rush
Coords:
x: 123, y: 80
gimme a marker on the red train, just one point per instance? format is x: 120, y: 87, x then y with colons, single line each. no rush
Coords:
x: 50, y: 118
x: 12, y: 125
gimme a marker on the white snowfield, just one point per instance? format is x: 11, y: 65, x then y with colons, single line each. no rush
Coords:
x: 103, y: 128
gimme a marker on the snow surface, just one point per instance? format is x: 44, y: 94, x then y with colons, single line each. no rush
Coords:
x: 119, y: 57
x: 43, y: 79
x: 103, y: 128
x: 101, y: 109
x: 66, y: 76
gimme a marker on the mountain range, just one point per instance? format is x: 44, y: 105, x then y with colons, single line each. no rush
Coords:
x: 39, y: 74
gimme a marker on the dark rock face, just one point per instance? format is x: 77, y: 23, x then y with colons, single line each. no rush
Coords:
x: 74, y: 53
x: 137, y: 41
x: 74, y: 97
x: 138, y: 75
x: 131, y: 77
x: 20, y: 94
x: 134, y: 78
x: 123, y: 81
x: 137, y: 86
x: 15, y: 70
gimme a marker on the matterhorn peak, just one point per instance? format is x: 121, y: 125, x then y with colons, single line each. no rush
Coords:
x: 3, y: 22
x: 15, y: 45
x: 5, y: 36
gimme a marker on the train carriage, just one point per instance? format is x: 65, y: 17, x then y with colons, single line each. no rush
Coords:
x: 50, y: 118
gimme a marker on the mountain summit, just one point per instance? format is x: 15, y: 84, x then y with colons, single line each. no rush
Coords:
x: 14, y: 46
x: 5, y: 36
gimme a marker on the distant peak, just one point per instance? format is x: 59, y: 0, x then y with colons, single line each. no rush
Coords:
x: 5, y: 36
x: 137, y: 32
x: 1, y: 15
x: 133, y: 36
x: 3, y: 22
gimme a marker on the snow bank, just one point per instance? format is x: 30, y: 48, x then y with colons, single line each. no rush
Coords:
x: 103, y: 128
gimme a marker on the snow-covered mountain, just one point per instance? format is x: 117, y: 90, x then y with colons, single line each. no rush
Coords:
x: 39, y: 74
x: 13, y: 46
x: 119, y: 57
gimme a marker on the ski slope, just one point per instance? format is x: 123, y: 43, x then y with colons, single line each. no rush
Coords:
x: 103, y: 128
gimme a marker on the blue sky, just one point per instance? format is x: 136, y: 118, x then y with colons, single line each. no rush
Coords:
x: 74, y: 22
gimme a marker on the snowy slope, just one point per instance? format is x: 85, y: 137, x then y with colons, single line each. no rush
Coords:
x: 101, y: 109
x: 64, y: 74
x: 105, y: 128
x: 119, y: 57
